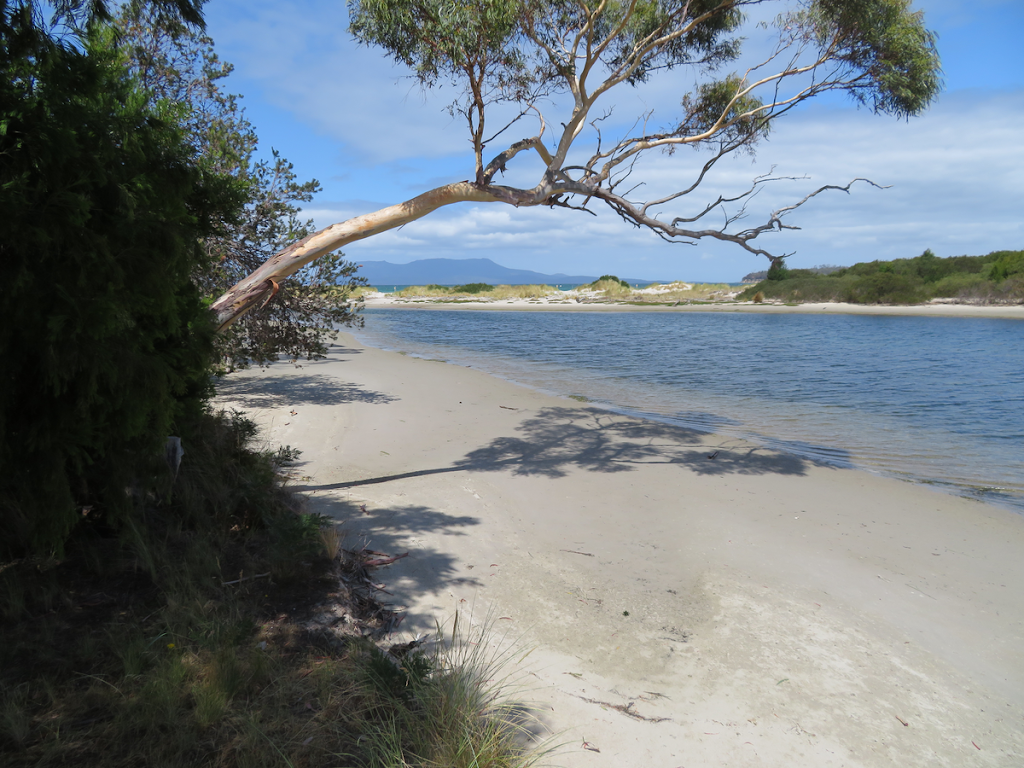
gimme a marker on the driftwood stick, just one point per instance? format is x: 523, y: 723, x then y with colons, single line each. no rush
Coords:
x: 384, y: 560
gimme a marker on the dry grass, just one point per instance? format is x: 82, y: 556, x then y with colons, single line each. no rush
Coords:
x: 453, y: 707
x: 497, y: 293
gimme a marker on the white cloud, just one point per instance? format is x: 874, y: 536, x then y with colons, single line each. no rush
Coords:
x: 955, y: 172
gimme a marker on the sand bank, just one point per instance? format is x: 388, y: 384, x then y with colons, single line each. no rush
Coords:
x: 750, y: 609
x: 1012, y: 311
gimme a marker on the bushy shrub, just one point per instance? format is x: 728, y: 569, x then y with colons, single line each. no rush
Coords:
x: 1006, y: 263
x: 473, y: 288
x: 105, y: 340
x: 778, y: 270
x: 611, y: 279
x: 884, y: 287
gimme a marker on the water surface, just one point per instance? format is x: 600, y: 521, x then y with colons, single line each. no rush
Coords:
x: 929, y: 399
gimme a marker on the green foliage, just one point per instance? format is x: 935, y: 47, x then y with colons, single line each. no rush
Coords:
x: 722, y: 102
x: 903, y: 281
x: 473, y: 288
x: 1005, y: 264
x: 778, y: 270
x: 887, y: 42
x: 104, y: 337
x: 609, y: 279
x: 179, y: 64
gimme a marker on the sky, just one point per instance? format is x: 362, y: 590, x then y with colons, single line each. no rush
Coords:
x: 346, y: 115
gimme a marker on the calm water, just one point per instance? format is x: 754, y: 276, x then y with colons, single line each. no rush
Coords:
x: 935, y: 400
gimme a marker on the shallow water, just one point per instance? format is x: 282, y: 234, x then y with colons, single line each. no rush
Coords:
x: 933, y: 400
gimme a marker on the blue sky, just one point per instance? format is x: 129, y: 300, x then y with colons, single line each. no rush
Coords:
x: 345, y: 115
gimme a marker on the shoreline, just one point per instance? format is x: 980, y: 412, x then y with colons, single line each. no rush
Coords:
x: 1008, y: 311
x: 772, y: 611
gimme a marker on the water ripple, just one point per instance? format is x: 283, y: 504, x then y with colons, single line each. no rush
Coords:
x: 935, y: 400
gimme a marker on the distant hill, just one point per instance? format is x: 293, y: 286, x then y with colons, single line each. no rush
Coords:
x: 463, y: 272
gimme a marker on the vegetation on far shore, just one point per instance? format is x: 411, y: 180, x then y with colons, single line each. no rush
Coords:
x: 997, y: 278
x: 605, y: 288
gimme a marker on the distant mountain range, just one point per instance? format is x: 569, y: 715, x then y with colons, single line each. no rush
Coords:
x: 464, y: 271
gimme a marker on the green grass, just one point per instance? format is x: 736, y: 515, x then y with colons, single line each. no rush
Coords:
x: 181, y: 641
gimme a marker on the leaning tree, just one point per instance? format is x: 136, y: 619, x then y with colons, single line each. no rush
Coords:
x: 532, y: 54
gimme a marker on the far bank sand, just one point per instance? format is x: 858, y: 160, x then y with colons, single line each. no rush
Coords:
x: 1010, y: 311
x: 779, y: 613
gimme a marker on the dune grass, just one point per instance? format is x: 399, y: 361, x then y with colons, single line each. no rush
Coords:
x: 188, y: 640
x: 476, y: 292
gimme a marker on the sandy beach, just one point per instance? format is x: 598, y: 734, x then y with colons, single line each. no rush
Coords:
x: 750, y: 609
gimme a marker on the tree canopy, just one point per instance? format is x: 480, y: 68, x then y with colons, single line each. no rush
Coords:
x: 536, y: 55
x: 176, y: 62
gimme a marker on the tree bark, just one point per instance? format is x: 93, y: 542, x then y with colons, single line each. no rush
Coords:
x: 262, y: 284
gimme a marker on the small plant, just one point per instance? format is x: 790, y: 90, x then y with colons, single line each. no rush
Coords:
x: 759, y: 297
x: 450, y: 708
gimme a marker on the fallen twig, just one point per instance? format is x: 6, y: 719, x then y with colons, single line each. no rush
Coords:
x: 245, y: 578
x: 574, y: 552
x: 905, y: 723
x: 626, y: 709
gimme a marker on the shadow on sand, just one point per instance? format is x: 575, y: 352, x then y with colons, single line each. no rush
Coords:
x: 559, y: 439
x: 295, y: 389
x: 386, y: 530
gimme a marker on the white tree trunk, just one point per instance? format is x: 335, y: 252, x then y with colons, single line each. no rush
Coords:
x: 263, y: 283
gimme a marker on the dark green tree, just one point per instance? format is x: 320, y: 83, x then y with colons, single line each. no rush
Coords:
x: 178, y: 63
x: 105, y: 339
x: 502, y: 53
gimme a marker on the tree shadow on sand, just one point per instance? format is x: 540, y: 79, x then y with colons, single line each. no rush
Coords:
x: 296, y: 389
x: 387, y: 530
x: 559, y: 439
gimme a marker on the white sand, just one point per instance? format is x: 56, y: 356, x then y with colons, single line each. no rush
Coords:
x: 780, y: 613
x: 562, y: 304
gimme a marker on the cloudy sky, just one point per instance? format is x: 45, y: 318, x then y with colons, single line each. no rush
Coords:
x: 345, y: 115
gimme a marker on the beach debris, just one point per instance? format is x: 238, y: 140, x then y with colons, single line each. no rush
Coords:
x: 401, y: 650
x: 386, y: 560
x: 905, y: 723
x: 508, y: 408
x: 975, y: 745
x: 293, y: 412
x: 587, y: 744
x: 714, y: 455
x: 626, y: 709
x: 574, y: 552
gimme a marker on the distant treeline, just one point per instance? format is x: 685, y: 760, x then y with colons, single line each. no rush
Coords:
x: 995, y: 278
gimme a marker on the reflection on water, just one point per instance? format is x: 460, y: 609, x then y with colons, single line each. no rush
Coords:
x: 936, y: 400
